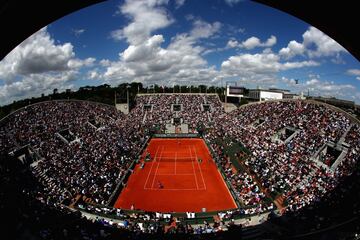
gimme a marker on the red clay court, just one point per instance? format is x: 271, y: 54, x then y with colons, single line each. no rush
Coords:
x: 175, y: 180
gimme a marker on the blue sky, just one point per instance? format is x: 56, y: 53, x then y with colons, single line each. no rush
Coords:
x: 171, y: 42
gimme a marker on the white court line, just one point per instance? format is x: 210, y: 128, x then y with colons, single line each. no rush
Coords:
x: 178, y: 174
x: 157, y: 167
x: 172, y: 158
x: 176, y: 189
x: 199, y: 167
x: 175, y: 161
x: 192, y: 163
x: 152, y: 164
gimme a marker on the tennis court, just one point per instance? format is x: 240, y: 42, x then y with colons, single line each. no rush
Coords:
x: 179, y: 177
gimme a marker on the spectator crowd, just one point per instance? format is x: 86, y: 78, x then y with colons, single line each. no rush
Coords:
x: 288, y: 169
x: 103, y: 143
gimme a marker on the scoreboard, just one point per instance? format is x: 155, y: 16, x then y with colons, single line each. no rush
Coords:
x: 235, y: 91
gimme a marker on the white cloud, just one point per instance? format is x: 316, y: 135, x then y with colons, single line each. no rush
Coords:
x: 338, y: 59
x: 78, y: 63
x: 147, y: 61
x: 327, y: 88
x: 252, y: 43
x: 232, y: 43
x: 294, y: 48
x: 355, y: 72
x: 150, y: 63
x: 233, y: 2
x: 291, y: 65
x: 37, y: 54
x: 37, y: 66
x: 324, y: 45
x: 317, y: 87
x: 313, y: 75
x: 315, y: 44
x: 260, y: 63
x: 179, y: 3
x: 93, y: 74
x: 260, y: 68
x: 251, y: 63
x: 117, y: 34
x: 270, y: 42
x: 145, y: 51
x: 36, y: 84
x: 203, y: 29
x: 146, y: 16
x: 356, y: 96
x: 105, y: 62
x: 312, y: 81
x: 289, y: 82
x: 78, y: 32
x: 180, y: 62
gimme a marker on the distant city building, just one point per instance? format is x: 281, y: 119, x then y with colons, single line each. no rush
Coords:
x: 293, y: 96
x: 235, y: 91
x: 234, y: 94
x: 264, y: 95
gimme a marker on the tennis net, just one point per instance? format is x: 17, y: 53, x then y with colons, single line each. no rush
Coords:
x: 177, y: 159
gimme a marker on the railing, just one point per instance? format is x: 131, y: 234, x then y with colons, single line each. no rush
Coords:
x: 110, y: 212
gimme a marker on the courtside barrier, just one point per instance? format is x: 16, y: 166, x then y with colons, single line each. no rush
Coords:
x: 176, y: 135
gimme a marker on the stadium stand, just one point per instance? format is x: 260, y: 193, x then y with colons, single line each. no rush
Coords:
x: 79, y: 148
